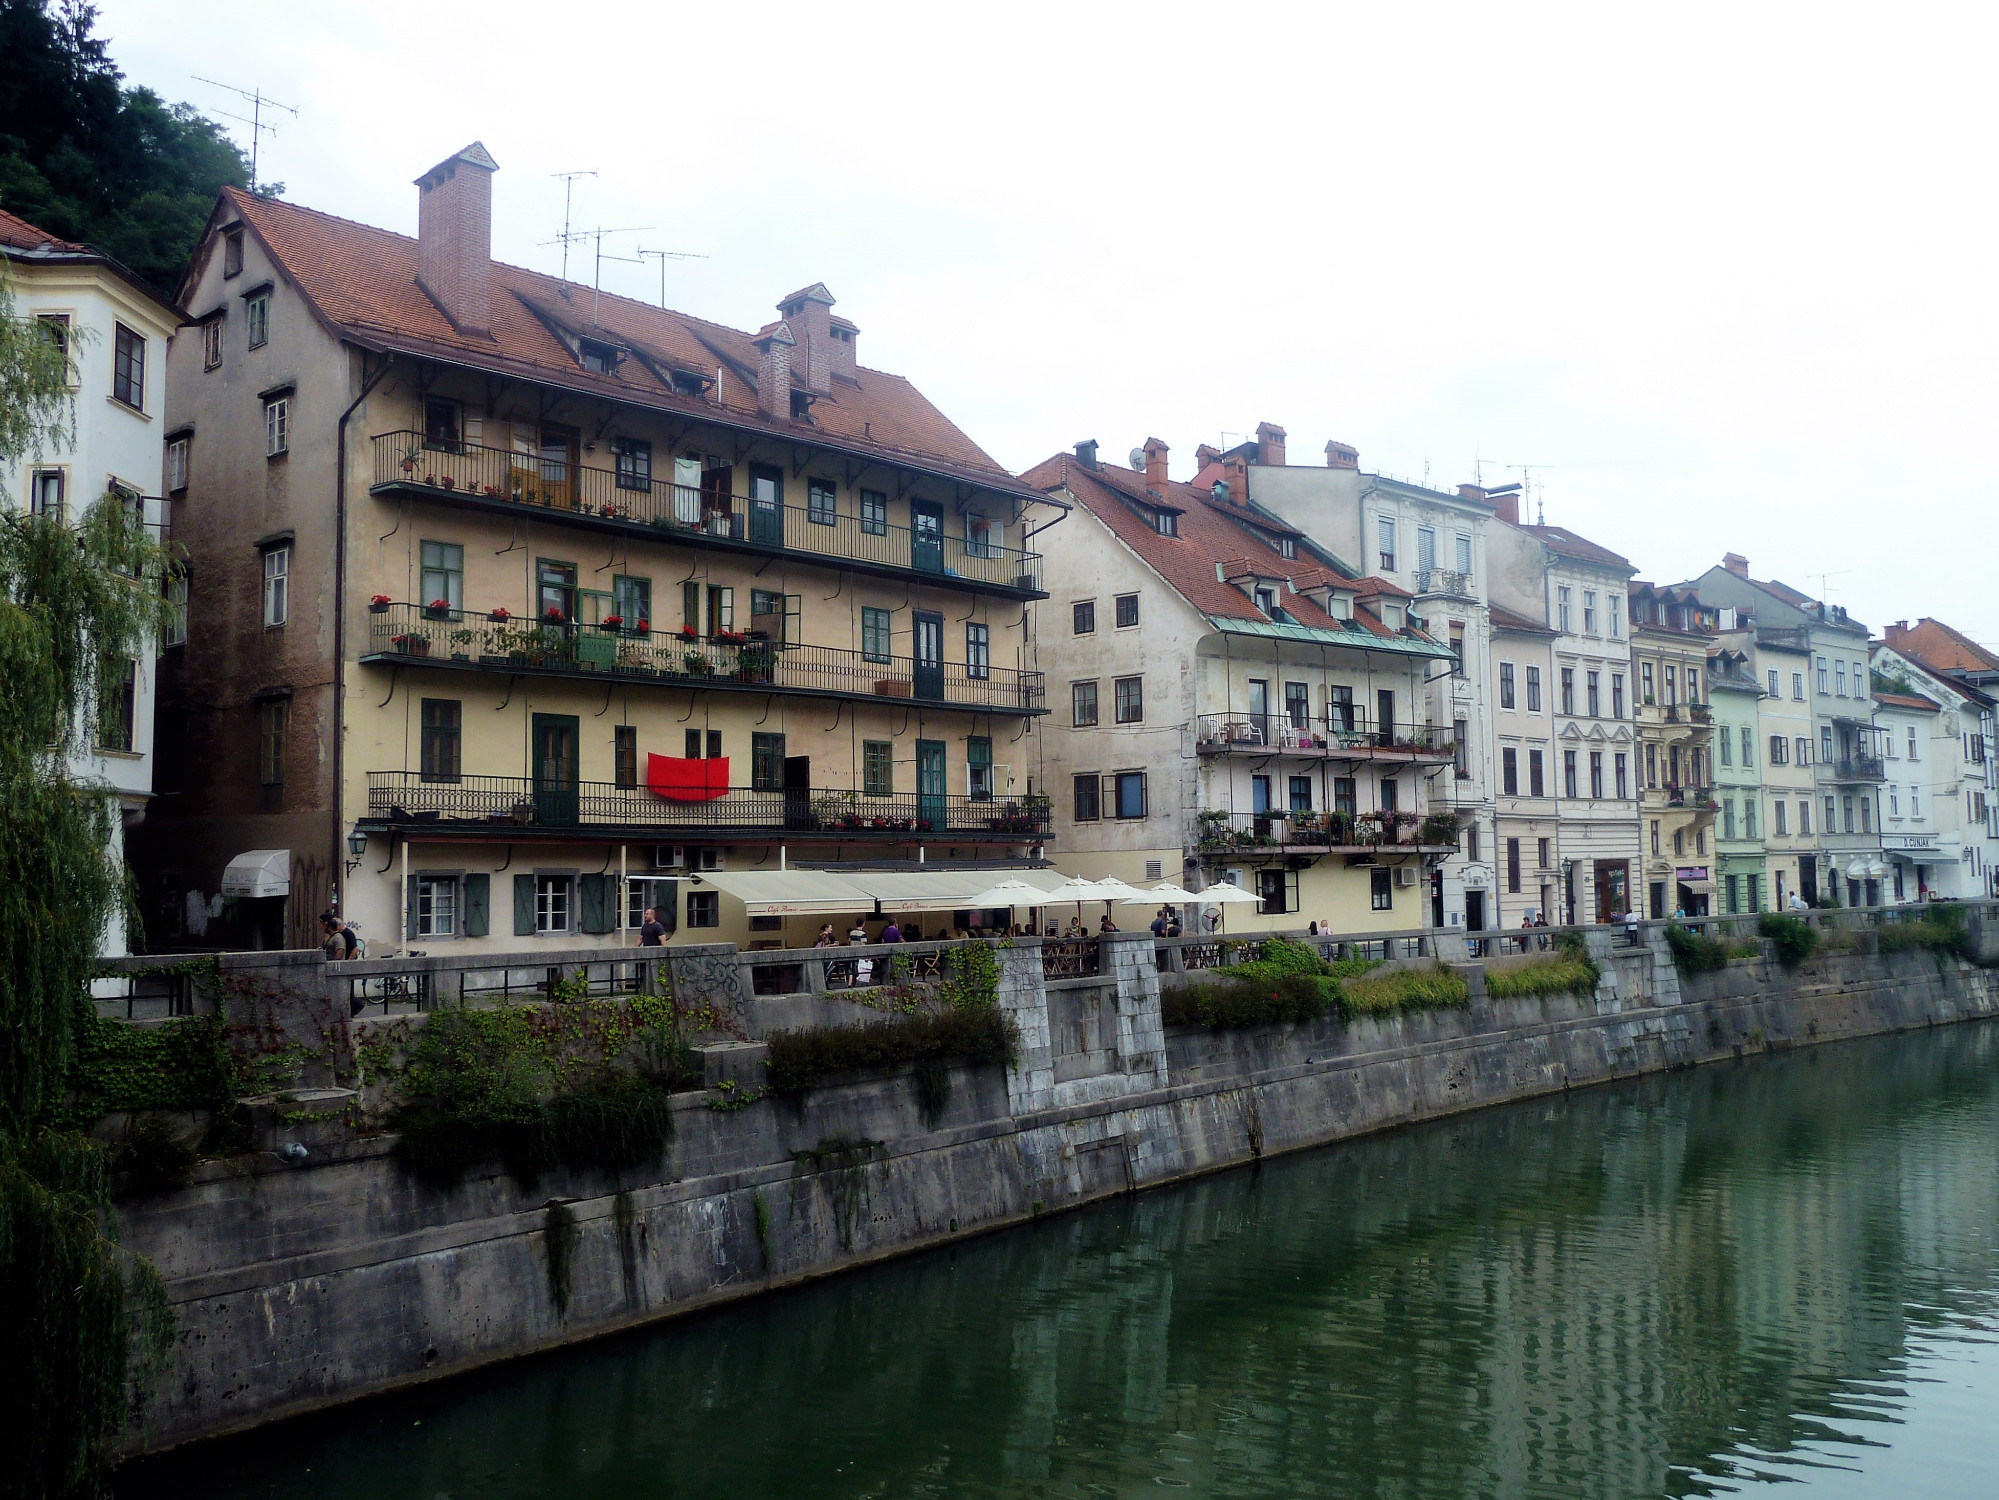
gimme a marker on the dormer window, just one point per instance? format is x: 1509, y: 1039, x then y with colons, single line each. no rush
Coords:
x: 1287, y: 547
x: 685, y: 384
x: 598, y: 358
x: 1391, y: 615
x: 801, y: 406
x: 1166, y: 523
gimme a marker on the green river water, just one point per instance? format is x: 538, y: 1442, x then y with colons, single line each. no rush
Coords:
x: 1783, y: 1270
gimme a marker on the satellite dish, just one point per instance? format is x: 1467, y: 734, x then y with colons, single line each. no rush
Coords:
x: 1138, y: 459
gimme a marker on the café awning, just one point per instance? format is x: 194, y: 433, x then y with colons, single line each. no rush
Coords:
x: 259, y: 872
x: 828, y: 893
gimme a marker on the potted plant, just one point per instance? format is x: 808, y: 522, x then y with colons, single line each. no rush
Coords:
x: 448, y: 482
x: 643, y: 627
x: 754, y: 663
x: 378, y: 604
x: 411, y: 644
x: 696, y: 664
x: 409, y: 459
x: 461, y: 641
x: 499, y: 616
x: 611, y: 624
x: 437, y: 609
x: 491, y: 491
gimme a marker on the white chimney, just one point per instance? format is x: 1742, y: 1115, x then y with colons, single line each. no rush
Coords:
x: 774, y: 346
x: 454, y: 236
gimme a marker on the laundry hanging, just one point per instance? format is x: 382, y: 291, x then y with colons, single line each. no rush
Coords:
x: 682, y: 780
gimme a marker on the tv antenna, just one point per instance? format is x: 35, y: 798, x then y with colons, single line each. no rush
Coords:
x: 1822, y: 577
x: 568, y: 198
x: 663, y: 256
x: 597, y: 281
x: 259, y: 102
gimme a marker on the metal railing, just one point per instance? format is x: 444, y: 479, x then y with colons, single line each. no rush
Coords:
x: 419, y: 632
x: 1334, y: 733
x: 500, y: 803
x: 1859, y: 768
x: 1071, y: 958
x: 403, y: 460
x: 405, y: 985
x: 1222, y: 832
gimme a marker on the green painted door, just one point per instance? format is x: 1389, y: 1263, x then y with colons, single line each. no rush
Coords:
x: 556, y: 783
x: 930, y: 786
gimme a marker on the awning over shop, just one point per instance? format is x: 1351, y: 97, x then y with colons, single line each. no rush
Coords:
x: 828, y: 893
x: 259, y: 872
x: 947, y: 888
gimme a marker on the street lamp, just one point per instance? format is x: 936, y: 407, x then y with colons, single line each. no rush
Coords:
x: 357, y: 848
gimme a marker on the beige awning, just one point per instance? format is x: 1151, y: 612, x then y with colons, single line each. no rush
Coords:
x: 790, y: 893
x: 946, y: 888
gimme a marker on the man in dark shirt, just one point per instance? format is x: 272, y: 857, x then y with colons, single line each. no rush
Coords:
x: 653, y: 933
x: 340, y: 942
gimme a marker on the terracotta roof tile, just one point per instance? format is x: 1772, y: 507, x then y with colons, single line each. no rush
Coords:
x: 363, y: 280
x: 18, y: 234
x: 1565, y: 543
x: 1914, y: 701
x: 1940, y: 648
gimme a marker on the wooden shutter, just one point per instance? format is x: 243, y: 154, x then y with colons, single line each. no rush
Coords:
x: 409, y: 909
x: 593, y: 906
x: 478, y: 905
x: 524, y: 906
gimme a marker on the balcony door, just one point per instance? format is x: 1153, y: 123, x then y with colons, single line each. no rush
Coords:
x: 1384, y: 709
x: 556, y: 786
x: 926, y: 536
x: 558, y: 465
x: 930, y: 786
x: 798, y: 791
x: 1259, y: 713
x: 766, y: 506
x: 927, y: 634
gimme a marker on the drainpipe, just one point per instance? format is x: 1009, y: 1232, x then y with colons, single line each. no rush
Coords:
x: 338, y: 869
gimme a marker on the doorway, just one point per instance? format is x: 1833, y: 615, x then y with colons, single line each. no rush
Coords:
x: 927, y: 652
x: 1475, y: 911
x: 556, y: 787
x: 798, y: 791
x: 930, y: 786
x: 926, y: 536
x: 558, y: 465
x: 1613, y: 889
x: 766, y: 506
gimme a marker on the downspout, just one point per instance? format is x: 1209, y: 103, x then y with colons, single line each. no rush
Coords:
x: 338, y: 867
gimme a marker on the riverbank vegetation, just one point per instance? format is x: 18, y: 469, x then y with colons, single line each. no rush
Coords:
x: 1290, y: 983
x: 1569, y: 972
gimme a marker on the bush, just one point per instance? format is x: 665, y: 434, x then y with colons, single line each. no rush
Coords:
x: 1232, y: 1000
x: 1401, y: 990
x: 1568, y: 973
x: 154, y: 1156
x: 1793, y: 937
x: 1941, y: 928
x: 801, y: 1061
x: 1694, y: 952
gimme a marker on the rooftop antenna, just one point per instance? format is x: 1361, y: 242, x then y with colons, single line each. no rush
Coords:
x: 568, y: 197
x: 663, y: 256
x: 259, y: 102
x: 1822, y: 577
x: 597, y: 279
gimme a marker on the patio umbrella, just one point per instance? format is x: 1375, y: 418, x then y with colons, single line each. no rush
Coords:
x: 1222, y: 894
x: 1008, y: 893
x: 1173, y: 894
x: 1077, y: 890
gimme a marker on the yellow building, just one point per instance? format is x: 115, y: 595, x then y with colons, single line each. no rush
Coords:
x: 506, y: 591
x: 1672, y: 633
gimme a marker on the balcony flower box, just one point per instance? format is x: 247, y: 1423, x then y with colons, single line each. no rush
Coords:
x: 499, y: 616
x: 378, y: 604
x: 890, y: 687
x: 687, y: 632
x: 643, y: 627
x: 611, y: 624
x: 411, y: 644
x: 437, y: 609
x: 553, y: 616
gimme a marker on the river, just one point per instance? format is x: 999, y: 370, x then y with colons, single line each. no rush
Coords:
x: 1783, y: 1270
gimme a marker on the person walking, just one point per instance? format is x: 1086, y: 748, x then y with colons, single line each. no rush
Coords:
x: 652, y: 931
x: 340, y: 942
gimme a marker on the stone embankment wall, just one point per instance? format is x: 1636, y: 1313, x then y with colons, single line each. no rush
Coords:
x: 303, y: 1286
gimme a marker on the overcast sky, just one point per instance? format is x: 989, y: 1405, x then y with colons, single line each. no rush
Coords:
x: 1721, y: 276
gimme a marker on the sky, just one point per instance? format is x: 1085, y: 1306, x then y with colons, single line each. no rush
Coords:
x: 1707, y: 277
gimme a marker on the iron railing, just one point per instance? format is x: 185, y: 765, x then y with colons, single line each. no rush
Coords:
x: 418, y: 632
x: 1859, y: 768
x: 1332, y: 733
x: 503, y: 803
x: 1223, y: 832
x: 500, y: 476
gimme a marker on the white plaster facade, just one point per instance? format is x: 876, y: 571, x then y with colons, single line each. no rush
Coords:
x: 1936, y: 828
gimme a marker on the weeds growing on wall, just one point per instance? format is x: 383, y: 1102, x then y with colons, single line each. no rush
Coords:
x: 1285, y: 983
x: 1697, y: 953
x: 177, y: 1065
x: 1399, y: 990
x: 1941, y: 928
x: 1793, y: 937
x: 1572, y: 972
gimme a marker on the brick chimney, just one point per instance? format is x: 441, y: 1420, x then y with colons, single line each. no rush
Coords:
x: 1086, y: 453
x: 1471, y: 492
x: 454, y: 238
x: 1204, y: 455
x: 1155, y: 466
x: 1896, y: 635
x: 1270, y: 445
x: 1341, y: 456
x: 808, y: 312
x: 1736, y: 563
x: 1235, y: 470
x: 846, y: 363
x: 1507, y: 507
x: 774, y: 346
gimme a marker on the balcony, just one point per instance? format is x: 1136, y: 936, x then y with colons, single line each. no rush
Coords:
x: 501, y: 480
x: 519, y: 806
x: 1324, y: 832
x: 1445, y: 583
x: 1340, y: 737
x: 1694, y: 799
x: 1859, y: 768
x: 408, y: 634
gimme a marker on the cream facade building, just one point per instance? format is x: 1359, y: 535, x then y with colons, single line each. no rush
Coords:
x: 1936, y: 807
x: 1671, y: 634
x: 1528, y: 814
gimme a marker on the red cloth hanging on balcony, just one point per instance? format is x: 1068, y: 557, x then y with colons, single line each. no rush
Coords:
x: 682, y: 780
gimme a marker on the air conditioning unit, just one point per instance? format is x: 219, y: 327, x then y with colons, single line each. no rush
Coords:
x: 669, y: 857
x: 1405, y: 875
x: 711, y: 859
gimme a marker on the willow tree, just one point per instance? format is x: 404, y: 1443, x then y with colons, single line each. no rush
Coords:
x: 77, y: 1310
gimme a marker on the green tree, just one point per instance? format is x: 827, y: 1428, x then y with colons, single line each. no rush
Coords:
x: 70, y: 1299
x: 88, y: 159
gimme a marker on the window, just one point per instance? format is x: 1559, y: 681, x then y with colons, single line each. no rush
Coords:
x: 1083, y: 616
x: 1381, y: 890
x: 175, y: 633
x: 211, y: 343
x: 632, y: 458
x: 1596, y: 775
x: 1130, y: 698
x: 1509, y: 771
x: 1457, y: 638
x: 1623, y: 776
x: 983, y: 535
x: 232, y: 252
x: 878, y: 768
x: 874, y: 634
x: 1533, y: 690
x: 1672, y: 686
x: 1562, y: 608
x: 978, y: 651
x: 1301, y: 794
x: 551, y: 904
x: 1726, y: 745
x: 1590, y: 694
x: 1645, y: 682
x: 1825, y: 744
x: 1568, y: 690
x: 1915, y: 802
x: 45, y: 493
x: 1513, y: 866
x: 1385, y: 531
x: 1748, y: 820
x: 1798, y: 686
x: 821, y: 509
x: 874, y: 512
x: 1127, y: 611
x: 436, y: 906
x: 176, y: 465
x: 1617, y: 695
x: 1506, y: 684
x: 767, y: 762
x: 1616, y: 624
x: 624, y: 755
x: 1266, y: 600
x: 1589, y: 611
x: 442, y: 575
x: 1535, y: 786
x: 1804, y: 817
x: 277, y: 426
x: 1754, y: 883
x: 1846, y: 807
x: 704, y: 908
x: 1655, y: 836
x: 631, y: 600
x: 1839, y: 679
x: 1391, y: 794
x: 1130, y: 787
x: 1804, y: 748
x: 1278, y: 891
x: 1773, y: 682
x: 1568, y: 773
x: 979, y: 768
x: 1867, y: 813
x: 277, y: 586
x: 1298, y: 704
x: 1823, y: 689
x: 1464, y: 553
x: 1426, y: 549
x: 118, y: 691
x: 1679, y: 842
x: 1831, y: 824
x: 1912, y: 743
x: 1728, y: 817
x: 1471, y: 842
x: 128, y: 369
x: 441, y: 739
x: 1693, y: 685
x: 273, y: 720
x: 1166, y: 523
x: 1259, y: 794
x: 1346, y: 795
x: 1651, y: 765
x: 257, y: 313
x: 1779, y: 819
x: 1087, y: 793
x: 1777, y: 756
x: 1894, y: 802
x: 1083, y: 704
x: 1748, y: 746
x: 599, y: 358
x: 1859, y: 680
x: 1732, y: 885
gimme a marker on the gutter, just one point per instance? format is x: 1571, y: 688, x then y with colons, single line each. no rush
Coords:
x: 336, y: 871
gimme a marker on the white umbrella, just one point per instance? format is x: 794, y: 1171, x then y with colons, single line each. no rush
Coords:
x: 1114, y: 889
x: 1177, y: 895
x: 1222, y: 894
x: 1008, y: 893
x: 1075, y: 889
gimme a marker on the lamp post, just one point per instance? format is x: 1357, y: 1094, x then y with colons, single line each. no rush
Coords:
x: 357, y: 849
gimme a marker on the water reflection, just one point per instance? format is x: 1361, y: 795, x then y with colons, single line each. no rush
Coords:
x: 1688, y: 1285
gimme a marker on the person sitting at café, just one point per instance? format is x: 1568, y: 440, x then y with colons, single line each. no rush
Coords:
x: 1172, y: 922
x: 891, y: 933
x: 1159, y: 923
x: 858, y: 933
x: 826, y: 937
x: 1074, y: 929
x: 1106, y: 924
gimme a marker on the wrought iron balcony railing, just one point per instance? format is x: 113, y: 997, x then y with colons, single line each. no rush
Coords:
x: 1859, y: 768
x: 512, y: 804
x: 1225, y: 832
x: 410, y: 632
x: 1328, y: 734
x: 477, y: 475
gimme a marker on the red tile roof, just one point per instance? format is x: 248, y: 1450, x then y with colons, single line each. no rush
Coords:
x: 1208, y: 535
x: 362, y: 280
x: 1941, y: 648
x: 1506, y: 619
x: 1565, y: 543
x: 16, y: 233
x: 1914, y: 701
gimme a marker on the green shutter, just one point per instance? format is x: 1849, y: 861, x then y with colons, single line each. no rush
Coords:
x: 478, y: 905
x: 593, y: 907
x: 524, y: 906
x: 409, y: 909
